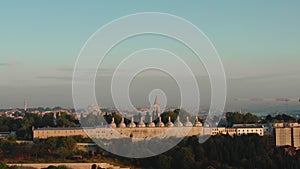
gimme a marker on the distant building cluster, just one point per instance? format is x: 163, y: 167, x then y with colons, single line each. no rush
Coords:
x: 20, y: 113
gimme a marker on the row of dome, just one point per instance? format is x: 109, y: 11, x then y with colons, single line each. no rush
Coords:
x: 141, y: 124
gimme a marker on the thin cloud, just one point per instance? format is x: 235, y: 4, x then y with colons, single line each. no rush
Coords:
x: 55, y: 78
x: 268, y: 76
x: 68, y: 69
x: 62, y: 78
x: 100, y: 71
x: 2, y: 64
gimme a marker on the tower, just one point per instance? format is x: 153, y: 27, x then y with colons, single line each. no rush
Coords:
x: 54, y: 119
x: 25, y: 105
x: 156, y: 108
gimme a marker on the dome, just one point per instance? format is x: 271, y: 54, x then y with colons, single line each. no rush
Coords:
x: 170, y: 124
x: 141, y: 123
x: 112, y: 124
x: 131, y: 124
x: 178, y: 122
x: 160, y: 123
x: 151, y: 123
x: 188, y: 123
x: 122, y: 124
x: 197, y: 122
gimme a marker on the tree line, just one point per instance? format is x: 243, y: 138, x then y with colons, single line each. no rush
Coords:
x: 223, y: 152
x: 219, y: 152
x: 23, y: 126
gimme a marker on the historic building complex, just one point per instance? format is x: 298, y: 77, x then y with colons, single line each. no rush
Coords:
x: 283, y: 134
x: 149, y: 130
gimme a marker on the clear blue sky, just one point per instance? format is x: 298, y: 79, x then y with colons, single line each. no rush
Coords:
x: 258, y: 42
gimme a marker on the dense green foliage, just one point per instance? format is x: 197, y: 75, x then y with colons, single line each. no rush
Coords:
x: 51, y: 149
x: 221, y: 151
x: 23, y: 127
x: 239, y: 118
x: 279, y: 118
x: 11, y: 150
x: 224, y: 152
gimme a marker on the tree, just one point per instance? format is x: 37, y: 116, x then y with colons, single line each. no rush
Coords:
x: 250, y: 118
x: 238, y: 118
x: 164, y: 162
x: 280, y: 118
x: 48, y: 120
x: 66, y: 120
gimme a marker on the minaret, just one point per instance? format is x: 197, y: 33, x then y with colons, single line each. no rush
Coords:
x: 54, y: 119
x: 156, y: 108
x: 25, y: 105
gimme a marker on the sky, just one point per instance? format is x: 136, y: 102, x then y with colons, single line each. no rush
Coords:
x: 257, y: 41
